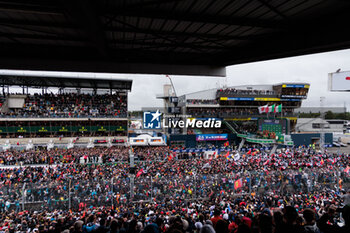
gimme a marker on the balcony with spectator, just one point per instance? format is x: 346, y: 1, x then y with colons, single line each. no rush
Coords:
x: 234, y: 92
x: 70, y: 105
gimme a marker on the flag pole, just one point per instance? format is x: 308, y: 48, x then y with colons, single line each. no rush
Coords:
x: 268, y: 111
x: 281, y: 111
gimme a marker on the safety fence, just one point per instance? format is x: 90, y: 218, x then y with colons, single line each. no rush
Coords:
x: 70, y: 193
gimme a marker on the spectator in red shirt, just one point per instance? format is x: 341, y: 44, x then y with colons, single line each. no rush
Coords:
x: 216, y: 217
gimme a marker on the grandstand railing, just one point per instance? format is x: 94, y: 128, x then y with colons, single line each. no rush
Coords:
x: 216, y: 114
x: 61, y: 115
x: 246, y: 93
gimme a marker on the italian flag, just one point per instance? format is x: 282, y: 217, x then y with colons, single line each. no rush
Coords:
x: 275, y: 108
x: 263, y: 109
x: 278, y: 108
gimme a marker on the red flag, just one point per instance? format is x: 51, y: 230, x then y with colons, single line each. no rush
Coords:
x: 249, y: 152
x: 347, y: 169
x: 322, y: 162
x: 267, y: 162
x: 215, y: 155
x: 226, y: 143
x: 139, y: 173
x: 238, y: 184
x: 227, y: 154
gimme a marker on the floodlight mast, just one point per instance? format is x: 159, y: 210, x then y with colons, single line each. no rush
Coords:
x: 172, y: 84
x: 322, y: 135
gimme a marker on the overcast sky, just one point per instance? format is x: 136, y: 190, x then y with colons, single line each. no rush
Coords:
x: 312, y: 69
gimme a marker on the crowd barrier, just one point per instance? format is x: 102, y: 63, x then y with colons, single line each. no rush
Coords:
x: 80, y: 194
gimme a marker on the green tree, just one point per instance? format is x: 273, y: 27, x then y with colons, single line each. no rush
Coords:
x: 329, y: 115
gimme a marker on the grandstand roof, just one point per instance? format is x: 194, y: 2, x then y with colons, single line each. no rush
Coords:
x: 165, y: 36
x: 63, y: 82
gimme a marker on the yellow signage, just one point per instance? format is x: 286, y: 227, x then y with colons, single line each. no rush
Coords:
x: 101, y: 129
x: 21, y: 130
x: 63, y: 129
x: 223, y: 98
x: 82, y: 129
x: 238, y: 119
x: 267, y: 99
x: 42, y: 129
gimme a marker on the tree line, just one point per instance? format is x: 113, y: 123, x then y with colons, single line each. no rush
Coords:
x: 328, y: 115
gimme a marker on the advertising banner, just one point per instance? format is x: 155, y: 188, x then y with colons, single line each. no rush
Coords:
x: 60, y: 129
x: 211, y: 137
x: 339, y: 81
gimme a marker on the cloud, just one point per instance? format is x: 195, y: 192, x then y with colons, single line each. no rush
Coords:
x: 312, y: 69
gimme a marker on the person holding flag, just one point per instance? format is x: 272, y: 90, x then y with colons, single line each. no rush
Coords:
x: 238, y: 184
x: 347, y: 169
x: 139, y: 173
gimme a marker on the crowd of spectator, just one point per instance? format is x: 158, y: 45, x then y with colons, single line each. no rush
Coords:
x: 77, y: 155
x: 223, y: 215
x: 233, y: 91
x: 201, y: 101
x: 232, y: 111
x: 71, y: 105
x: 298, y: 190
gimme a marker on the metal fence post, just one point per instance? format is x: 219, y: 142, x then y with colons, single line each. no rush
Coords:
x: 23, y: 195
x: 112, y: 181
x: 337, y: 175
x: 151, y: 187
x: 132, y: 183
x: 250, y: 182
x: 195, y: 187
x: 69, y: 193
x: 132, y: 176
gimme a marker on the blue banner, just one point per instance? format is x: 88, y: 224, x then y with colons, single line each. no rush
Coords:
x: 211, y: 137
x: 290, y: 99
x: 201, y: 150
x: 240, y: 98
x: 295, y: 85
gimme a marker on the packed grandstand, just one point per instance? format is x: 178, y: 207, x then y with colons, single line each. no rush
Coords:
x: 99, y: 183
